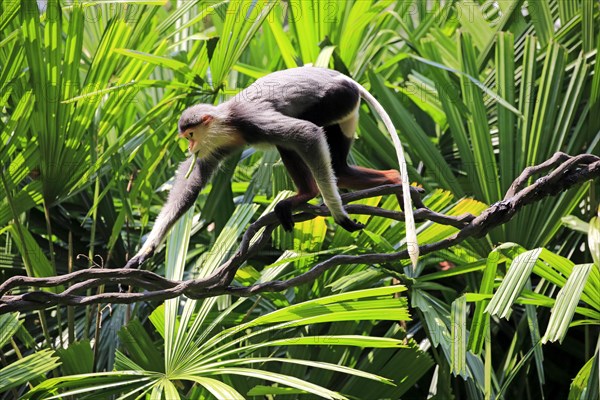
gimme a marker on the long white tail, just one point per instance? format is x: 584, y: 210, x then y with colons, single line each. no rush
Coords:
x: 411, y: 230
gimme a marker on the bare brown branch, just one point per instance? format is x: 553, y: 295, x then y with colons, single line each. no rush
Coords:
x: 568, y: 172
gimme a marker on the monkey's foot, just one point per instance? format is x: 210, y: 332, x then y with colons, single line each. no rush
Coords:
x: 284, y: 215
x: 350, y: 225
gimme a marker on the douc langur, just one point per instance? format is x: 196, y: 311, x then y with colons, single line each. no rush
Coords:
x: 310, y: 115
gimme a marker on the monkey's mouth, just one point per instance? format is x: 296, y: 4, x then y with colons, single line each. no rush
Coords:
x: 191, y: 142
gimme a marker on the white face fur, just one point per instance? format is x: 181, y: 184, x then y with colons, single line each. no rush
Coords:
x: 195, y: 139
x: 205, y: 139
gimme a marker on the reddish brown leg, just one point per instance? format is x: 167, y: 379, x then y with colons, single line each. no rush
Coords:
x: 303, y: 179
x: 364, y: 178
x: 358, y: 178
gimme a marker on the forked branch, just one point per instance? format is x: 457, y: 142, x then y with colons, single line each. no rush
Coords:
x: 567, y: 172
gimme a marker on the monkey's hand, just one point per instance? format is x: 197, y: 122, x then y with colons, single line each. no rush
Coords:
x: 140, y: 258
x: 132, y: 263
x: 135, y: 262
x: 350, y: 225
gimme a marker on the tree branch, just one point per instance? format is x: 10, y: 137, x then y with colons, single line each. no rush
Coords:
x: 568, y: 172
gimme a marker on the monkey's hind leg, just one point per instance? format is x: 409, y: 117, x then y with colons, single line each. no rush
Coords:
x: 357, y: 178
x: 306, y: 185
x: 339, y: 136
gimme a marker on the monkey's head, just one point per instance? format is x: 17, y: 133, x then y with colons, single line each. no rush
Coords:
x: 206, y: 128
x: 195, y: 125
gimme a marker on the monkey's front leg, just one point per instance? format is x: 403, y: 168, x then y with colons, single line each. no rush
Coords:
x: 318, y: 159
x: 182, y: 196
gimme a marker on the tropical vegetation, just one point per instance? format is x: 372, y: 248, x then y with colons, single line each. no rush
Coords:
x: 90, y: 92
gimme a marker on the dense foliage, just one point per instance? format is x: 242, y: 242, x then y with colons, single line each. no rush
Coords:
x: 90, y: 93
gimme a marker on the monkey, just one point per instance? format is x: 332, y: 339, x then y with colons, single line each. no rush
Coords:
x: 310, y: 115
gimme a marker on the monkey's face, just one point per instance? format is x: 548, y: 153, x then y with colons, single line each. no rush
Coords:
x: 194, y: 124
x: 192, y: 143
x: 196, y: 136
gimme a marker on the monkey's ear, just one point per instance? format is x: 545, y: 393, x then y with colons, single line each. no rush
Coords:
x: 206, y: 119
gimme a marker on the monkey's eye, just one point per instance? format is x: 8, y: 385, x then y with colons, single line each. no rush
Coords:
x: 187, y: 134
